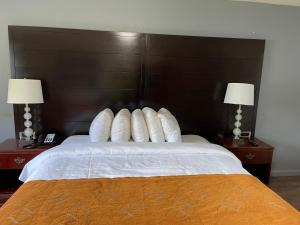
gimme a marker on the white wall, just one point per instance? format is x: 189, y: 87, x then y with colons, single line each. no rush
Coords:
x: 279, y: 106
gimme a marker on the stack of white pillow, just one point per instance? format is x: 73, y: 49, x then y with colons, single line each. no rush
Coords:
x: 142, y: 125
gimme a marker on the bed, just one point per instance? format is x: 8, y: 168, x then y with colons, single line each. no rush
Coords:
x: 193, y: 182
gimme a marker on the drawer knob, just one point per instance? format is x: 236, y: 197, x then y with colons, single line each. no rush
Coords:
x: 19, y: 160
x: 250, y: 156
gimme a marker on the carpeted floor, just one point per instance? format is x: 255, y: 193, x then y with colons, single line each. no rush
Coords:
x: 288, y: 188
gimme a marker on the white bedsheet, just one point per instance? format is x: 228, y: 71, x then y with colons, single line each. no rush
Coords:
x: 187, y: 138
x: 131, y: 159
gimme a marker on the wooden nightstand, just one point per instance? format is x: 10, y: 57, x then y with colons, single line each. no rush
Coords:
x: 255, y: 159
x: 12, y: 160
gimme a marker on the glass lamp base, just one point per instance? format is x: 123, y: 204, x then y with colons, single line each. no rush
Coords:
x: 22, y: 136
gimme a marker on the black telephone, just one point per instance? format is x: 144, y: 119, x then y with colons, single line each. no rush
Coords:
x: 42, y: 139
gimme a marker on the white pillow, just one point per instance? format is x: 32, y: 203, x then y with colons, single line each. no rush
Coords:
x: 164, y: 110
x: 120, y: 130
x: 139, y: 130
x: 170, y: 126
x: 154, y: 126
x: 101, y: 125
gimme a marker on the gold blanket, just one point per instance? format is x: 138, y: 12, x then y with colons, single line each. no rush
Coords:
x: 172, y: 200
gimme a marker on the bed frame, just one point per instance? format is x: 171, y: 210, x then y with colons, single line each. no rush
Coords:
x: 84, y: 71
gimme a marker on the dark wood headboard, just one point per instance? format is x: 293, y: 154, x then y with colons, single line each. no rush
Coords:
x: 84, y: 71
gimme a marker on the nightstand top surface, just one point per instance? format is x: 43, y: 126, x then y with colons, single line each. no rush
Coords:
x: 15, y: 145
x: 229, y: 142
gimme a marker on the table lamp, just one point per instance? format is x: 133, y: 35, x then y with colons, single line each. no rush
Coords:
x: 239, y: 94
x: 25, y: 91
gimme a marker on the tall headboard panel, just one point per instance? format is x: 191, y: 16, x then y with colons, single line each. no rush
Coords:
x: 189, y: 75
x: 84, y: 71
x: 81, y: 71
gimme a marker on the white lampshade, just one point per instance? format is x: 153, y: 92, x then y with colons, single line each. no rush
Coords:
x: 24, y: 91
x: 239, y: 94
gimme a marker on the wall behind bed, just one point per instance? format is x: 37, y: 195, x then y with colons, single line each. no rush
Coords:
x: 278, y: 114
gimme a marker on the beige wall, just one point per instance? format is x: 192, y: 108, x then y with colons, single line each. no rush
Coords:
x: 279, y: 106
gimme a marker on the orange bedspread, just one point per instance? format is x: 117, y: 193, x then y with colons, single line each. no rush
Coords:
x: 185, y: 200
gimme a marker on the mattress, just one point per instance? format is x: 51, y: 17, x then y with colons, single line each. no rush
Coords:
x: 188, y: 183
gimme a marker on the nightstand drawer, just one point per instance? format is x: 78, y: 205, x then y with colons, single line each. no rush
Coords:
x: 254, y: 156
x: 14, y: 161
